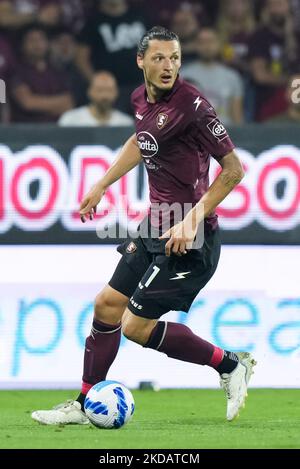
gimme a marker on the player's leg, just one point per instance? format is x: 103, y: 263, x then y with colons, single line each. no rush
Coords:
x: 172, y: 284
x: 179, y: 342
x: 101, y: 348
x: 101, y: 345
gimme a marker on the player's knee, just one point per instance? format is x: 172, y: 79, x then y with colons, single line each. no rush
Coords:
x: 135, y: 331
x: 131, y: 331
x: 108, y: 309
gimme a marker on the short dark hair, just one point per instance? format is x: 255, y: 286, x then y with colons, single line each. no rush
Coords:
x: 157, y: 32
x: 30, y: 28
x: 23, y: 32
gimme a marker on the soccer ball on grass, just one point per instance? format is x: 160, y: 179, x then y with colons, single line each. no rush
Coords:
x: 109, y: 404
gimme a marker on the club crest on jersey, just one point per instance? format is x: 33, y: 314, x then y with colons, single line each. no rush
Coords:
x: 161, y: 120
x: 131, y: 247
x: 217, y: 129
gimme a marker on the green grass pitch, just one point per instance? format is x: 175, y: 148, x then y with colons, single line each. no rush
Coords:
x: 188, y: 419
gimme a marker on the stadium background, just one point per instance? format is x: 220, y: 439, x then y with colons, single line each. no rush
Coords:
x: 52, y: 266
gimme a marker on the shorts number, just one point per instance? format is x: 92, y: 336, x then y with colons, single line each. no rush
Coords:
x: 151, y: 278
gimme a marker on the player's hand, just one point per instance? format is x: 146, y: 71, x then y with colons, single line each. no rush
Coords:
x: 181, y: 239
x: 88, y: 206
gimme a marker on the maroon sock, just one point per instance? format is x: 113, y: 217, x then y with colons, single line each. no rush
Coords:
x: 178, y: 341
x: 101, y: 348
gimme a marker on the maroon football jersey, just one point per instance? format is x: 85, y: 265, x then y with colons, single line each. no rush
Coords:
x: 176, y: 136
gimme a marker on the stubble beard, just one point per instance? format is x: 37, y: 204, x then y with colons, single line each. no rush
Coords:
x: 155, y: 88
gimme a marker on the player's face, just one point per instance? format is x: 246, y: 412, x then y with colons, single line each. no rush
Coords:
x: 161, y: 63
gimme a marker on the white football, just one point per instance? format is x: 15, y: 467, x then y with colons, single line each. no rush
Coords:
x: 109, y: 404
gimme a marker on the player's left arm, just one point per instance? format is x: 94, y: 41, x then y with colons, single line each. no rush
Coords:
x: 183, y: 234
x: 232, y: 173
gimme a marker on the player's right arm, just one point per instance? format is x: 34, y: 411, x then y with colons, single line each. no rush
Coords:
x: 128, y: 158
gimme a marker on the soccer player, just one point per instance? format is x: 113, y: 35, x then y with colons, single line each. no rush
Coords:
x: 177, y: 131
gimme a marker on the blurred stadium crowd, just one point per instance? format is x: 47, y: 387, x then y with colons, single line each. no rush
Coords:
x: 73, y: 61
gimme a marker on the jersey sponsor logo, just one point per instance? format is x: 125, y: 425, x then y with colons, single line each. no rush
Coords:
x: 180, y: 275
x: 161, y: 120
x: 217, y: 129
x: 138, y: 116
x: 197, y: 101
x: 131, y: 248
x: 147, y: 144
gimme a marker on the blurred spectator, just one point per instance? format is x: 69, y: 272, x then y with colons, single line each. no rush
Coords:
x: 75, y: 12
x: 295, y: 6
x: 185, y: 24
x: 7, y: 64
x: 292, y: 114
x: 40, y: 93
x: 109, y: 40
x: 273, y: 52
x: 16, y: 13
x: 220, y: 84
x: 7, y: 59
x: 212, y: 8
x: 63, y: 49
x: 103, y: 93
x: 161, y: 11
x: 235, y: 26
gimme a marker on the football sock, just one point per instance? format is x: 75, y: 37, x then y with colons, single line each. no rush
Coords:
x: 178, y: 341
x: 81, y: 399
x: 101, y: 348
x: 229, y: 362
